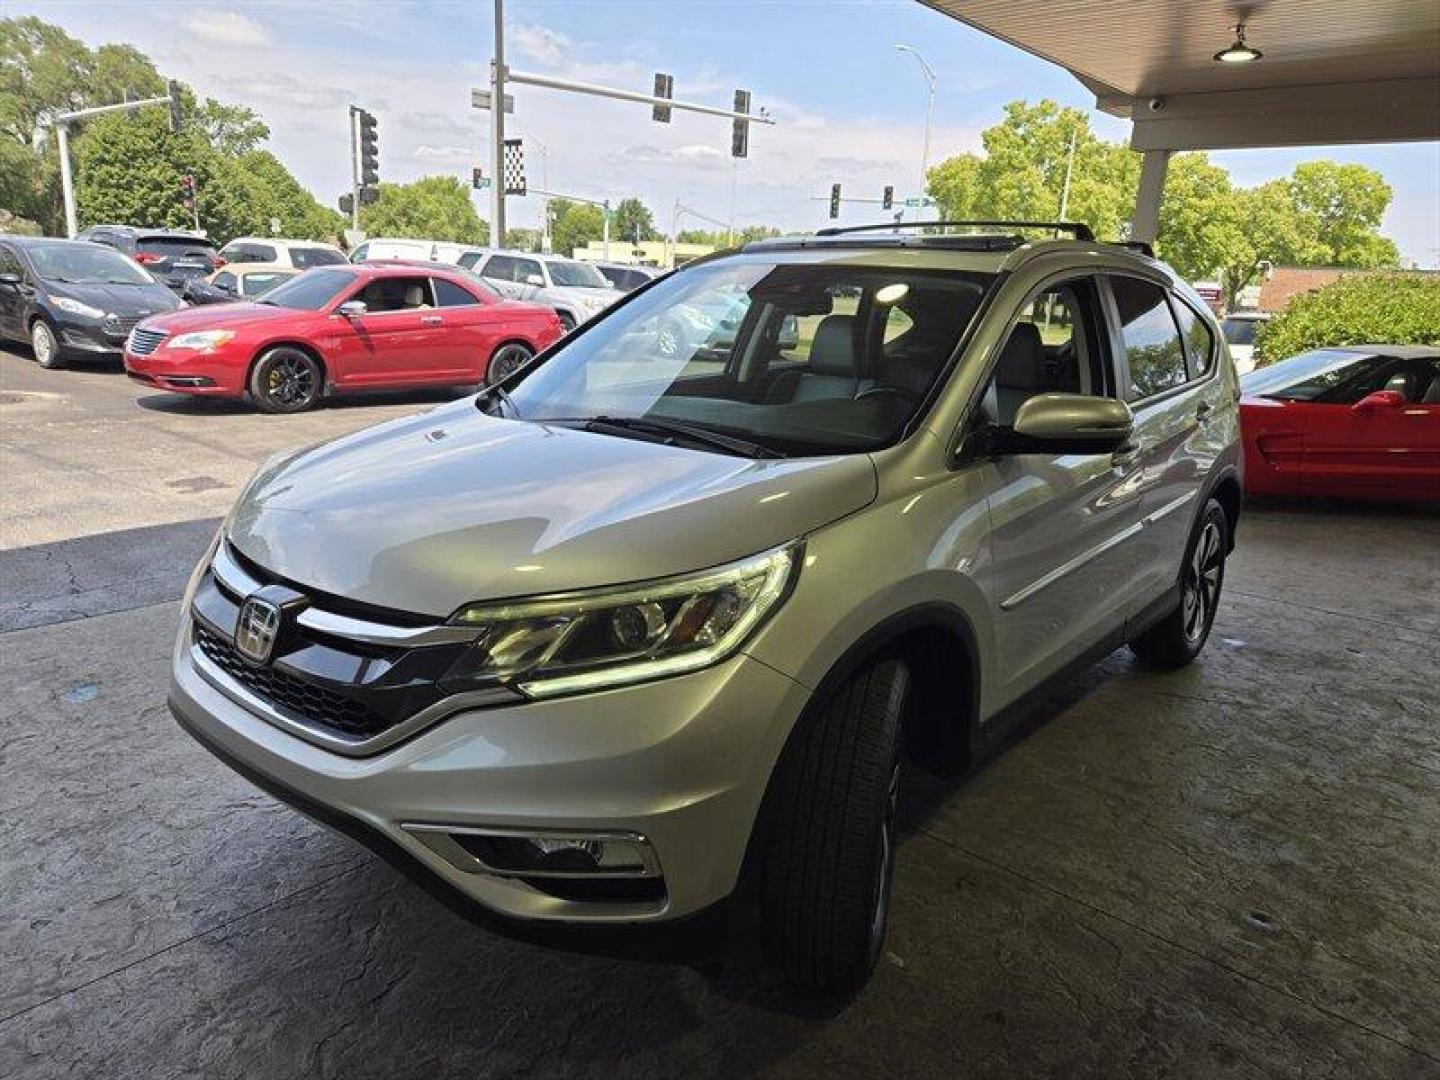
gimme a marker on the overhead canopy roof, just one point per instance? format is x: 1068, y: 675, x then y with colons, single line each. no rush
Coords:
x: 1333, y: 71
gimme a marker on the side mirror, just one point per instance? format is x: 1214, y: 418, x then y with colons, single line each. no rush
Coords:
x: 11, y: 280
x: 534, y: 279
x: 1380, y: 399
x: 1066, y: 424
x: 352, y: 309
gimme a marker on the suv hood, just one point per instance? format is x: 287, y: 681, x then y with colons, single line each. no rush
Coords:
x: 429, y: 513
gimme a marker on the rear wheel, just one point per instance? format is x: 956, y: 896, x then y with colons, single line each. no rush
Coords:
x: 506, y: 360
x: 286, y: 380
x: 830, y: 835
x: 1178, y: 638
x: 45, y: 345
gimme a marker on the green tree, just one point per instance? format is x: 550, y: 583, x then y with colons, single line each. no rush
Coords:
x: 230, y: 129
x: 573, y: 225
x: 522, y: 239
x: 431, y: 208
x: 1340, y: 208
x: 1402, y: 309
x: 632, y: 221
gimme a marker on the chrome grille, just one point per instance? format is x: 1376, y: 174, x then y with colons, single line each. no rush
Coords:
x: 144, y: 342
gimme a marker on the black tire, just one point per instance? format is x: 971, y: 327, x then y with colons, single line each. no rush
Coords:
x: 567, y: 322
x: 286, y: 380
x: 46, y: 346
x: 829, y: 841
x: 506, y: 360
x: 1178, y: 638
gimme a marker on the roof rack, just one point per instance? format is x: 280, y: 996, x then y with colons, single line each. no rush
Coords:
x: 1143, y: 247
x: 1077, y: 229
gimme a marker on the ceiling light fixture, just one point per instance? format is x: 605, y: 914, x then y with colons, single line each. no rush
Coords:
x: 1238, y: 52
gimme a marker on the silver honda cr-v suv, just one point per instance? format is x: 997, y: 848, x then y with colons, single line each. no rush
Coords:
x: 632, y: 633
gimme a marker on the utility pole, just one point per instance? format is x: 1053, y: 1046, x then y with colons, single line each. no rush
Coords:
x: 61, y: 123
x: 497, y: 130
x: 930, y: 81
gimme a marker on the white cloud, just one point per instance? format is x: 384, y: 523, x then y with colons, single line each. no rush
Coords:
x: 225, y: 28
x: 693, y: 154
x: 541, y: 44
x: 434, y: 123
x: 448, y: 154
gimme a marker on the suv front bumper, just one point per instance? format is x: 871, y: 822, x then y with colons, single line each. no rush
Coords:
x: 680, y: 763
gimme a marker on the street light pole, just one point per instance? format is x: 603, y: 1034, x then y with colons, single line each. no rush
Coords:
x: 930, y: 81
x: 67, y: 185
x: 497, y: 131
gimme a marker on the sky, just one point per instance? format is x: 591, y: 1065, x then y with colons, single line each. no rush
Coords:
x: 849, y: 108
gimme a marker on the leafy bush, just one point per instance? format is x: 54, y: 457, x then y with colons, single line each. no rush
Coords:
x: 1390, y: 309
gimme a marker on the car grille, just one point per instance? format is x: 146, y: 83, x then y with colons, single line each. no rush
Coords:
x: 120, y: 325
x: 304, y: 699
x: 144, y: 342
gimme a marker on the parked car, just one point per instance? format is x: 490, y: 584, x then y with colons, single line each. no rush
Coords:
x: 585, y: 653
x: 707, y: 327
x: 68, y: 298
x: 1358, y: 421
x: 576, y: 290
x: 281, y: 254
x: 170, y: 255
x: 237, y: 281
x: 415, y: 250
x: 339, y: 328
x: 1239, y: 329
x: 628, y: 277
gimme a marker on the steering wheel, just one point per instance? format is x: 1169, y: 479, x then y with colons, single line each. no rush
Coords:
x: 889, y: 391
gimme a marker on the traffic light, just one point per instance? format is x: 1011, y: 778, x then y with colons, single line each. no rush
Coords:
x: 664, y: 87
x: 175, y: 118
x: 477, y: 178
x: 834, y: 200
x: 369, y: 150
x: 347, y: 204
x: 887, y: 200
x: 187, y: 191
x: 740, y: 129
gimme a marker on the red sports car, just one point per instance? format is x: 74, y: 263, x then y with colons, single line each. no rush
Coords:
x: 1362, y: 421
x: 338, y: 328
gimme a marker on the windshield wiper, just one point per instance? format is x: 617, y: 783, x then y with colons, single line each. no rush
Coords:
x: 671, y: 431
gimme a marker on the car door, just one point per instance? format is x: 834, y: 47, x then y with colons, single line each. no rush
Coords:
x: 13, y: 295
x: 1377, y: 436
x: 1176, y: 402
x: 1062, y: 525
x: 399, y: 340
x: 471, y: 331
x: 499, y: 270
x: 530, y: 278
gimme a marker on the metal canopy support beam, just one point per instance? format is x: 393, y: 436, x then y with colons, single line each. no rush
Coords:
x: 1145, y: 224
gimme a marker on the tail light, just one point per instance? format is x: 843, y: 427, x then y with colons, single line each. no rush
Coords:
x: 145, y: 258
x: 217, y: 261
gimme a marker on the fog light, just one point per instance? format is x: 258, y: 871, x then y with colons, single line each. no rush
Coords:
x: 483, y: 851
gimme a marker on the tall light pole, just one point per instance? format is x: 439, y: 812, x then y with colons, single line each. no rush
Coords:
x: 929, y: 110
x: 497, y: 131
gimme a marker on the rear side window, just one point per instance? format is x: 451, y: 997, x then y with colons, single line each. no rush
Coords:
x: 306, y: 257
x: 524, y: 268
x: 448, y: 294
x: 397, y: 294
x: 469, y: 259
x: 1152, y: 343
x: 1199, y: 341
x: 500, y: 267
x: 224, y: 281
x: 10, y: 263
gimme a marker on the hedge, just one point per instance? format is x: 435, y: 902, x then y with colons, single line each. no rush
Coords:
x: 1389, y: 309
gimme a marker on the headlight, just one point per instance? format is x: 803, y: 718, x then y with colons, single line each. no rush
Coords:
x: 75, y: 307
x: 203, y: 340
x: 576, y: 642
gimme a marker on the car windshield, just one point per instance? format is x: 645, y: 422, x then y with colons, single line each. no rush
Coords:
x: 809, y: 359
x: 86, y: 264
x: 1239, y: 331
x: 577, y: 275
x: 1306, y: 376
x: 311, y: 291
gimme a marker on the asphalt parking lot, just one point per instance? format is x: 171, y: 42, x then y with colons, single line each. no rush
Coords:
x: 1232, y: 870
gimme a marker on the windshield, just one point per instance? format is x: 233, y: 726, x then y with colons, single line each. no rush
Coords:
x: 1306, y: 376
x: 86, y: 264
x: 311, y: 291
x: 820, y: 359
x: 577, y: 275
x: 1239, y: 331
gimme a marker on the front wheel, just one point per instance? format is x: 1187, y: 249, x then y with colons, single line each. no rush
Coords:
x: 45, y: 345
x: 505, y: 361
x: 1178, y: 638
x: 830, y: 834
x: 285, y: 380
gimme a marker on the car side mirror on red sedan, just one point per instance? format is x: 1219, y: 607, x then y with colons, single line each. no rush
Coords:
x: 1380, y: 399
x: 352, y: 309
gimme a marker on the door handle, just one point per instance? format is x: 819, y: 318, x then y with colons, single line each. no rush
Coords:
x: 1126, y: 455
x: 431, y: 320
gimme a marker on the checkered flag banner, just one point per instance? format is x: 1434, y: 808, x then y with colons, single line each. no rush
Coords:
x: 514, y: 167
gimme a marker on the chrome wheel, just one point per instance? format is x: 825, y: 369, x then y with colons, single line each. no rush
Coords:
x: 507, y: 360
x: 42, y: 341
x: 1200, y: 591
x: 880, y: 909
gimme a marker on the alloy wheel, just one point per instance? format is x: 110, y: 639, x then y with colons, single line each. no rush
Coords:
x: 507, y: 360
x: 880, y: 908
x: 1201, y: 591
x: 290, y: 381
x: 42, y: 342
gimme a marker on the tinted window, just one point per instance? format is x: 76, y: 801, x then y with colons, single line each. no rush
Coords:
x: 359, y: 254
x: 10, y: 262
x: 175, y: 246
x: 577, y: 275
x: 224, y: 281
x: 524, y: 268
x: 87, y: 264
x: 1152, y: 343
x: 396, y: 294
x: 448, y: 294
x: 311, y: 291
x: 1199, y: 341
x: 500, y: 267
x: 1239, y: 331
x: 306, y: 257
x: 469, y: 259
x: 259, y: 284
x: 617, y: 277
x: 1309, y: 375
x: 1054, y: 347
x: 249, y: 253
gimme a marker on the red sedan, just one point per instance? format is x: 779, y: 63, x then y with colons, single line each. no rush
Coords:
x: 1358, y: 422
x: 338, y: 328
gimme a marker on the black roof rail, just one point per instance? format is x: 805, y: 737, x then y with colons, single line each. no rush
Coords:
x: 1142, y: 246
x: 1078, y: 229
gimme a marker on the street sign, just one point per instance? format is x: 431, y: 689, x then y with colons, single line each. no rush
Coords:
x: 514, y: 167
x: 480, y: 99
x: 919, y: 200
